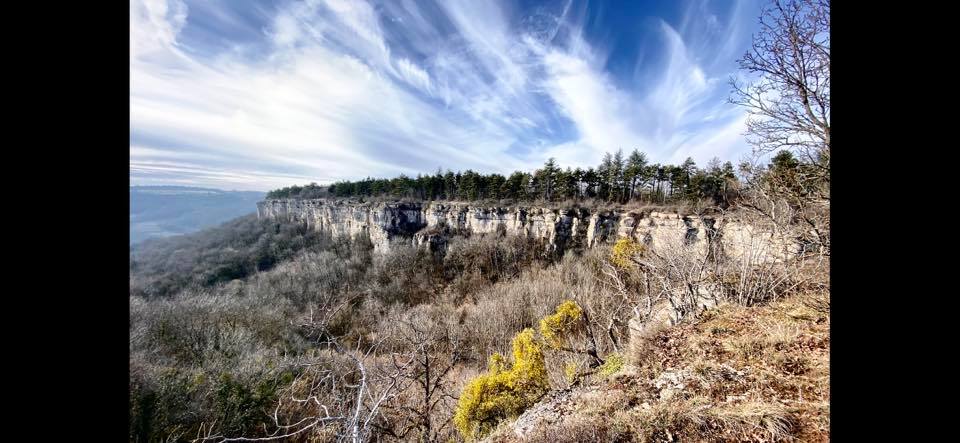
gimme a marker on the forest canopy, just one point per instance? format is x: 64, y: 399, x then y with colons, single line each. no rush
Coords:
x: 617, y: 178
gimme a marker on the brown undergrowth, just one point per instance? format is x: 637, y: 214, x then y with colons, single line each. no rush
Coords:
x: 736, y: 374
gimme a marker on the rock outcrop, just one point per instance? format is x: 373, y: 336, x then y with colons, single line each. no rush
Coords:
x: 426, y: 224
x: 381, y: 222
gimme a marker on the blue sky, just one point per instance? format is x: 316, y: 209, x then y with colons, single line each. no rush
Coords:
x: 255, y: 95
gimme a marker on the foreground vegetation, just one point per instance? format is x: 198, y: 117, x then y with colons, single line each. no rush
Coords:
x: 215, y: 356
x: 736, y: 374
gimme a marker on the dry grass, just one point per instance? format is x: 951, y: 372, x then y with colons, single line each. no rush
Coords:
x: 578, y: 429
x: 738, y: 374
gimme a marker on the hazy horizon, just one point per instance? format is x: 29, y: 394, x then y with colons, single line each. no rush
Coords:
x: 184, y: 209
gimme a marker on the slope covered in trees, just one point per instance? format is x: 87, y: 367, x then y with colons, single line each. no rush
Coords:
x: 236, y: 249
x: 218, y: 338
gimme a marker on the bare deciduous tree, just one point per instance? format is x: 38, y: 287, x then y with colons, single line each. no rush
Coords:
x: 790, y: 103
x: 683, y: 276
x: 627, y: 302
x: 334, y: 396
x: 425, y: 396
x: 796, y: 205
x: 790, y: 110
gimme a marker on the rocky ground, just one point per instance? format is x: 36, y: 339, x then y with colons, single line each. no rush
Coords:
x: 737, y: 374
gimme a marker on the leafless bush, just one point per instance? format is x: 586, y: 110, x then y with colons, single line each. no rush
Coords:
x: 794, y: 206
x: 335, y: 396
x: 429, y: 337
x: 680, y: 274
x: 764, y: 262
x: 510, y: 306
x: 405, y: 274
x: 202, y: 328
x: 488, y: 258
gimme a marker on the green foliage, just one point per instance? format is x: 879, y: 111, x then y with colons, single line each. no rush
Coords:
x: 553, y: 327
x: 503, y: 393
x: 786, y: 174
x: 158, y: 406
x: 618, y: 179
x: 312, y: 190
x: 175, y: 402
x: 240, y: 407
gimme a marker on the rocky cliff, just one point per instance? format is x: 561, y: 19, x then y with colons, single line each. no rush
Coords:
x: 427, y: 223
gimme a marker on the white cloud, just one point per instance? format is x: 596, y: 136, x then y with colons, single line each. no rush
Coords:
x: 601, y: 112
x: 331, y: 99
x: 414, y: 75
x: 677, y: 117
x: 154, y: 25
x: 726, y: 143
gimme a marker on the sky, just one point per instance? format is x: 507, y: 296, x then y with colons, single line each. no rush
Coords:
x: 262, y: 94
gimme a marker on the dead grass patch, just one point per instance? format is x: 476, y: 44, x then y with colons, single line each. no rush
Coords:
x: 758, y: 374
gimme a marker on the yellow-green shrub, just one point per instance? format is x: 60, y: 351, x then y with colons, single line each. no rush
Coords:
x: 570, y: 371
x: 612, y: 364
x: 553, y: 327
x: 500, y: 393
x: 623, y: 251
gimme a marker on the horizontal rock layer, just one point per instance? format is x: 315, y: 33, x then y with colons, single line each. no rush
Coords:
x: 424, y: 223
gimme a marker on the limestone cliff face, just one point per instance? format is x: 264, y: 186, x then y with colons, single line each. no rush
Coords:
x: 425, y: 223
x: 381, y: 222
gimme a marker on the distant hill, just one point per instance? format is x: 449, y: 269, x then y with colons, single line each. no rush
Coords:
x: 162, y: 211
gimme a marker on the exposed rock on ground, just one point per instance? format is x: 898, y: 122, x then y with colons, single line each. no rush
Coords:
x: 737, y: 374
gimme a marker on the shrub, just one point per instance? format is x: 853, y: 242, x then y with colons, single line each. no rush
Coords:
x: 570, y: 371
x: 612, y: 364
x: 241, y: 406
x: 623, y: 251
x: 554, y: 326
x: 501, y: 393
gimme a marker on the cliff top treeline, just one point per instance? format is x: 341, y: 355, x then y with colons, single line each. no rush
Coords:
x: 616, y: 179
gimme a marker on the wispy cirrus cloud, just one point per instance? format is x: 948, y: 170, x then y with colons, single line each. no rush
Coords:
x: 328, y: 90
